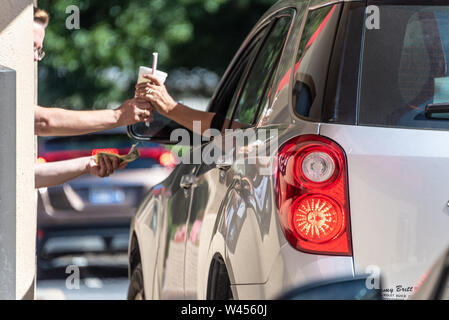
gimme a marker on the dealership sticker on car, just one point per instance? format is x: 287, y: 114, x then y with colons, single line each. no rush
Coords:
x: 106, y: 196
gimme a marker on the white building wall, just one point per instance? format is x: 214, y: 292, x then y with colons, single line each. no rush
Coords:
x: 17, y: 249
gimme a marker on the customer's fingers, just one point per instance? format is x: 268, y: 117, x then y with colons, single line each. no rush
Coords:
x: 152, y: 87
x: 149, y: 96
x: 152, y: 78
x: 148, y: 89
x: 142, y: 85
x: 140, y: 93
x: 147, y: 85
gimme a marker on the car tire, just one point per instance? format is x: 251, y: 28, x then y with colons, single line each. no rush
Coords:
x: 136, y: 289
x: 219, y: 285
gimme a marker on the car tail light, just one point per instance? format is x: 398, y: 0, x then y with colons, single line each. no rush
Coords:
x: 64, y: 155
x: 167, y: 159
x: 40, y: 234
x: 97, y: 151
x: 41, y: 160
x: 312, y: 195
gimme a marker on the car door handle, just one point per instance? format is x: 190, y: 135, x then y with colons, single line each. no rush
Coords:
x: 188, y: 181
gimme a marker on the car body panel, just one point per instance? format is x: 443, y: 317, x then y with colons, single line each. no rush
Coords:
x: 399, y: 191
x: 434, y: 283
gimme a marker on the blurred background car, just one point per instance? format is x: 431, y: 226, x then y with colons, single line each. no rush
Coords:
x: 96, y: 212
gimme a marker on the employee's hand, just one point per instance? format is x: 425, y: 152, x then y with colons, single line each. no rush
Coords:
x: 105, y: 167
x: 156, y: 93
x: 134, y: 111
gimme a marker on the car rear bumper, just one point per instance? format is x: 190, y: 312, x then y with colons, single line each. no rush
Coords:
x: 293, y: 268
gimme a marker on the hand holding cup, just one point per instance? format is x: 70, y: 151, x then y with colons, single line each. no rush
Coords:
x: 155, y: 92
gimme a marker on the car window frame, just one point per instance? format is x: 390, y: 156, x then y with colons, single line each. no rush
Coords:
x: 218, y: 100
x: 271, y: 23
x: 340, y: 6
x: 242, y: 81
x: 340, y: 100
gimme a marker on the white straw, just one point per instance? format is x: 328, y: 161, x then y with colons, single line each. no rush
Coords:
x: 155, y: 56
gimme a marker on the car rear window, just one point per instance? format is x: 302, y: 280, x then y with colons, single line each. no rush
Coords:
x: 312, y: 60
x: 405, y: 67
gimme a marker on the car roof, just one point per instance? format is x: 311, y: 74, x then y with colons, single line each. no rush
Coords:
x: 316, y: 3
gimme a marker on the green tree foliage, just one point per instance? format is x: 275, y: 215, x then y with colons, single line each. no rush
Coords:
x: 97, y: 64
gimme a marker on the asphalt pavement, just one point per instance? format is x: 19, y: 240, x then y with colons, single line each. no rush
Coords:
x: 83, y: 276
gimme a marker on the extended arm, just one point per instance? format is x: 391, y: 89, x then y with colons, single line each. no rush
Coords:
x: 62, y: 122
x: 55, y: 173
x: 185, y: 116
x: 156, y: 93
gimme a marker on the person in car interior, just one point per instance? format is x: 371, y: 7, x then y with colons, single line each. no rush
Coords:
x: 61, y: 122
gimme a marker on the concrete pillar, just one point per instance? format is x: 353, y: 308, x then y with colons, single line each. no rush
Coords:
x: 17, y: 194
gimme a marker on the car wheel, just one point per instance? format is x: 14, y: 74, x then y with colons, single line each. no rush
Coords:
x: 136, y: 290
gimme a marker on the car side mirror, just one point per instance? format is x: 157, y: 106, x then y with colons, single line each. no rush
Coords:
x: 161, y: 130
x: 349, y: 288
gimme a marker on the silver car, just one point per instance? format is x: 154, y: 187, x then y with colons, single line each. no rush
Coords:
x: 355, y: 95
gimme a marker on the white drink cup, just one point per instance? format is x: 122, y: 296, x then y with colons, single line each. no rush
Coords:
x: 161, y: 76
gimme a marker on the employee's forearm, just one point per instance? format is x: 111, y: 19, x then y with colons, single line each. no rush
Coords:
x: 55, y: 173
x: 61, y: 122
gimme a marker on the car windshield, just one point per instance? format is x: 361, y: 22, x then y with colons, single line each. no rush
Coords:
x: 405, y: 67
x: 119, y: 142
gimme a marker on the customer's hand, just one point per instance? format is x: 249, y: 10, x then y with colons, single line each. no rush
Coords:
x: 105, y: 167
x: 156, y: 93
x: 134, y: 111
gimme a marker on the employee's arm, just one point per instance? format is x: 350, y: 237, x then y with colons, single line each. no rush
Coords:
x: 55, y: 173
x: 62, y: 122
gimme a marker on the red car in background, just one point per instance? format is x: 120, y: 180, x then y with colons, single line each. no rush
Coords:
x: 90, y: 206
